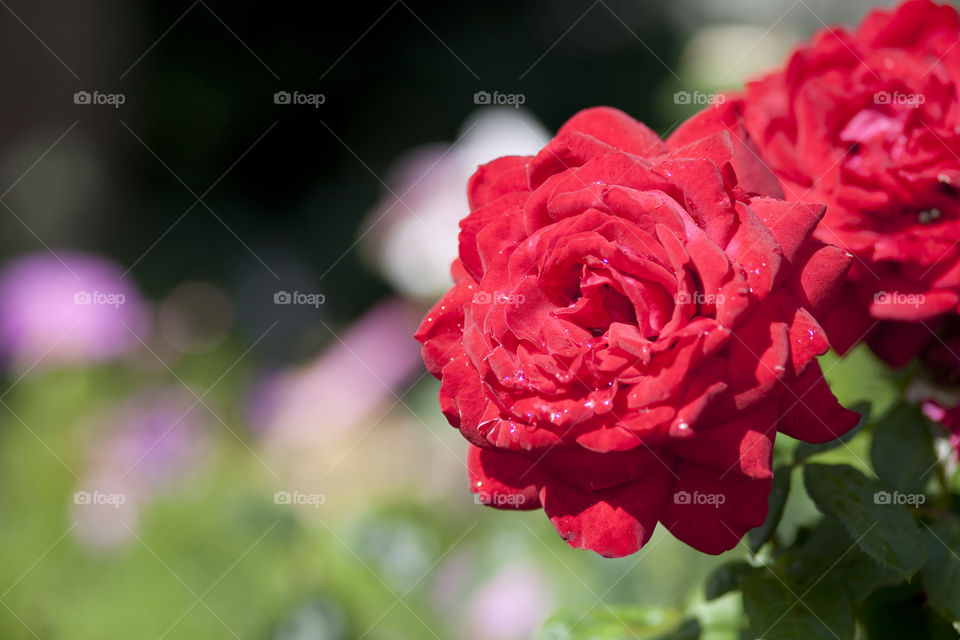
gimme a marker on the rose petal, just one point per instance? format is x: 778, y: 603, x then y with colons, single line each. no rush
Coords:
x: 502, y: 479
x: 616, y: 129
x: 818, y: 275
x: 711, y: 510
x: 441, y: 331
x: 614, y: 522
x: 497, y: 178
x: 811, y: 413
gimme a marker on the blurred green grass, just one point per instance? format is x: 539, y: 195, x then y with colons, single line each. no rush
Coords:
x: 212, y: 552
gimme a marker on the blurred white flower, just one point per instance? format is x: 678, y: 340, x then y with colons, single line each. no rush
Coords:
x: 411, y: 235
x: 727, y: 55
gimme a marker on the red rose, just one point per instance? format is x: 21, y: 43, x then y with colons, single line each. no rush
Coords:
x: 868, y: 123
x: 629, y: 329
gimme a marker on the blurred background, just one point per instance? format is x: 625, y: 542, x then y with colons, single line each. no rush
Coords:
x: 222, y: 223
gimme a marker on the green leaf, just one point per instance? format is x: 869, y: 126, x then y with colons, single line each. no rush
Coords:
x: 941, y: 575
x: 884, y: 529
x: 726, y: 578
x: 829, y: 549
x: 902, y: 451
x: 780, y: 611
x: 895, y: 613
x: 805, y: 450
x: 758, y: 536
x: 620, y: 623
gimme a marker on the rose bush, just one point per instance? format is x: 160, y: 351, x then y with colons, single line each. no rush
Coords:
x: 629, y: 329
x: 868, y: 122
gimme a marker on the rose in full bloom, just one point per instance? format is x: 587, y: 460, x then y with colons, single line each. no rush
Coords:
x: 868, y: 122
x: 629, y: 329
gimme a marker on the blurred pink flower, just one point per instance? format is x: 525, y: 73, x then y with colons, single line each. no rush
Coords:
x: 357, y: 375
x: 151, y: 441
x: 510, y: 605
x: 158, y: 434
x: 948, y: 418
x: 68, y: 308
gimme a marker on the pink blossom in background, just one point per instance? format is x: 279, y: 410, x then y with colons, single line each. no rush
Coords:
x: 510, y: 605
x: 353, y: 379
x: 67, y: 308
x: 144, y: 446
x: 947, y: 418
x: 154, y: 437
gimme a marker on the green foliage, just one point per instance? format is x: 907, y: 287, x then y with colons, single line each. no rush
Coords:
x: 829, y: 551
x: 779, y: 491
x: 611, y: 623
x: 726, y: 578
x: 882, y: 528
x: 781, y: 610
x: 894, y: 613
x: 902, y: 451
x: 941, y: 575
